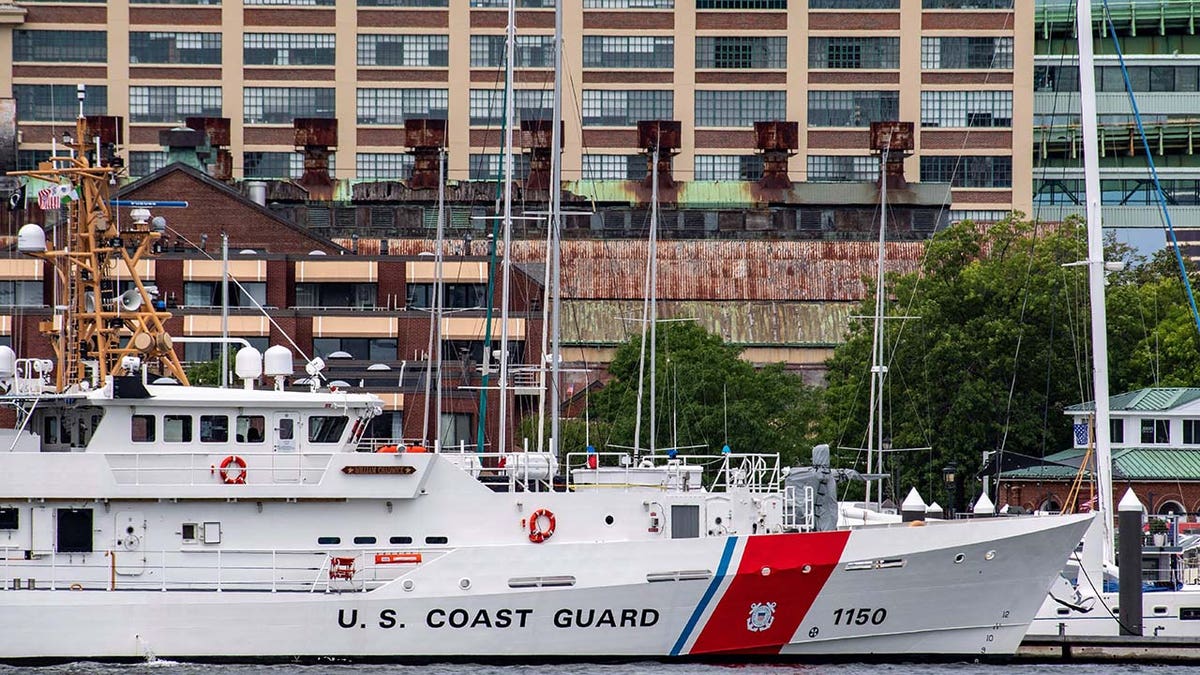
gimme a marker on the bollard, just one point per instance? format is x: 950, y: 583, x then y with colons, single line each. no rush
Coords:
x: 913, y: 507
x: 1129, y: 560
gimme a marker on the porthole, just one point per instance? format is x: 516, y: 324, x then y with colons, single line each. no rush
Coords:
x: 608, y: 520
x: 400, y: 540
x: 437, y: 540
x: 364, y: 540
x: 464, y: 583
x: 958, y: 559
x: 329, y: 541
x: 989, y: 555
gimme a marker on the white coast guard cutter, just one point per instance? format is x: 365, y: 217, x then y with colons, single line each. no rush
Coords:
x: 139, y: 519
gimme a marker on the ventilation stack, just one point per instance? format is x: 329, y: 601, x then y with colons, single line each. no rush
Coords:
x: 892, y: 142
x: 217, y: 130
x: 185, y: 146
x: 537, y: 137
x: 109, y: 131
x: 664, y: 136
x: 425, y: 138
x: 316, y: 137
x: 777, y: 141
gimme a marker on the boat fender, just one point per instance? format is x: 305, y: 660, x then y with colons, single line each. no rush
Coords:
x: 537, y: 533
x: 233, y: 470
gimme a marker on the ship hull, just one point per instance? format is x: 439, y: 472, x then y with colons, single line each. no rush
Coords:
x: 951, y: 589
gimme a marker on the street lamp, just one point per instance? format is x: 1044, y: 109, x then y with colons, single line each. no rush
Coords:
x: 950, y: 478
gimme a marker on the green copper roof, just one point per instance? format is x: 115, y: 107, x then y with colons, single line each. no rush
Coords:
x: 1153, y: 399
x: 1128, y: 464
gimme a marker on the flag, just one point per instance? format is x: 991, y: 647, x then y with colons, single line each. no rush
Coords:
x: 66, y: 193
x: 48, y: 199
x: 1087, y: 506
x: 16, y: 200
x: 1081, y: 434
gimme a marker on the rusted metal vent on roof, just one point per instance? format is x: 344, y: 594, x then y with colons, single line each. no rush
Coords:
x: 110, y: 130
x: 426, y: 137
x: 315, y: 137
x: 778, y: 141
x: 219, y: 137
x: 666, y: 136
x: 537, y: 137
x: 893, y: 142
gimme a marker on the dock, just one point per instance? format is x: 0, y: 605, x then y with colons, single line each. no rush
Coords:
x: 1127, y: 648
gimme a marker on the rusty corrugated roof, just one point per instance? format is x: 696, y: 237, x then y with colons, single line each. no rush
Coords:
x: 816, y: 271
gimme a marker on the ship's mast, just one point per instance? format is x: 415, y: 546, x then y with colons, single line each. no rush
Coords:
x: 95, y: 327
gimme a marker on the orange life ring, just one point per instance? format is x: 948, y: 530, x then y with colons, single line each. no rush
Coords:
x: 538, y: 534
x: 237, y: 475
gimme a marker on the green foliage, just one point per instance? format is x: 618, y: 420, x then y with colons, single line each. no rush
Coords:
x: 208, y: 373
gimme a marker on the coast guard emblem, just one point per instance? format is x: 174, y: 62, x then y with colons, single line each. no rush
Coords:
x: 762, y: 615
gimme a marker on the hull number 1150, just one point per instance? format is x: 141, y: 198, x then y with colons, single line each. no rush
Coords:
x: 860, y: 616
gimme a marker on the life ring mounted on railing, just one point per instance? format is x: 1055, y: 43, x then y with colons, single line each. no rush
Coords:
x: 233, y: 470
x: 537, y: 533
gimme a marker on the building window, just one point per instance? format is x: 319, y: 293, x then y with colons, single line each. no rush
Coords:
x: 842, y: 168
x: 288, y: 49
x: 741, y: 4
x: 387, y: 425
x: 28, y: 160
x: 728, y: 167
x: 490, y: 166
x: 173, y: 2
x: 202, y: 352
x: 57, y: 102
x: 854, y: 4
x: 403, y: 3
x: 1156, y: 432
x: 383, y: 165
x: 852, y: 108
x: 739, y: 108
x: 962, y: 53
x: 626, y: 107
x: 1191, y: 432
x: 456, y: 430
x: 487, y: 105
x: 172, y: 104
x: 59, y: 46
x: 454, y: 296
x: 410, y: 51
x: 336, y: 294
x: 272, y: 164
x: 181, y: 48
x: 472, y: 350
x: 981, y: 216
x: 966, y: 108
x: 854, y: 52
x: 531, y: 51
x: 281, y: 105
x: 21, y: 293
x: 614, y: 167
x: 968, y: 171
x: 741, y: 52
x: 208, y: 294
x: 966, y: 4
x: 1116, y: 430
x: 363, y: 349
x: 622, y: 51
x: 628, y: 4
x: 146, y: 162
x: 527, y: 4
x: 291, y: 3
x: 393, y: 106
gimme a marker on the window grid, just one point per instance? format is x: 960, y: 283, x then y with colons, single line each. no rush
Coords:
x: 852, y: 108
x: 57, y: 102
x: 624, y: 51
x: 530, y: 4
x: 393, y: 106
x: 628, y: 4
x: 966, y: 108
x: 1156, y: 431
x: 281, y: 105
x: 614, y: 167
x: 60, y: 46
x: 741, y: 52
x: 531, y: 51
x: 383, y: 165
x: 288, y: 49
x: 272, y: 165
x: 842, y: 168
x: 854, y: 4
x: 728, y: 167
x: 741, y: 4
x: 965, y: 4
x: 146, y: 162
x: 739, y: 108
x: 291, y: 3
x: 487, y: 105
x: 983, y: 216
x: 182, y: 48
x: 968, y: 171
x: 173, y: 2
x: 966, y: 53
x: 624, y: 108
x: 404, y: 50
x: 403, y: 3
x: 854, y: 52
x: 172, y: 104
x: 489, y: 166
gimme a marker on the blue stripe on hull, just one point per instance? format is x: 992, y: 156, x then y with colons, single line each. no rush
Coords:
x: 719, y: 577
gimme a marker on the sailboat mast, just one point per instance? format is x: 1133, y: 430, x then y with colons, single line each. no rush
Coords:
x: 506, y: 258
x: 556, y: 233
x: 1095, y: 265
x: 648, y: 312
x: 438, y: 276
x: 875, y: 421
x: 652, y: 282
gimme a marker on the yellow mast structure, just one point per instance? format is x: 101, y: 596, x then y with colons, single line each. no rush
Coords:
x: 94, y: 327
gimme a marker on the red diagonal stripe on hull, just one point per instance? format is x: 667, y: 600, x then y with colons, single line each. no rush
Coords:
x: 788, y: 586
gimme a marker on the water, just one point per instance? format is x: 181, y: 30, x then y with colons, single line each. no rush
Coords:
x: 635, y: 668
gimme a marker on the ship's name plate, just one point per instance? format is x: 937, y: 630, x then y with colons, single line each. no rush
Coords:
x: 358, y: 470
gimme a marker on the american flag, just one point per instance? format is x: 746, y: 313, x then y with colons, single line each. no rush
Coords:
x: 1087, y: 506
x: 1081, y: 434
x: 48, y: 198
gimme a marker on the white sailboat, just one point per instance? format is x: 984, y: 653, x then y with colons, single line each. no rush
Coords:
x: 151, y: 520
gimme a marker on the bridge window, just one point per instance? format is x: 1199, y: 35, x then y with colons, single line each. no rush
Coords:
x: 177, y: 428
x: 214, y: 429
